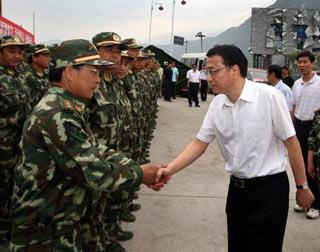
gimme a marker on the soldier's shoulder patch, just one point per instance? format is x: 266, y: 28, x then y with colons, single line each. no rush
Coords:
x: 78, y: 108
x: 67, y: 105
x: 107, y: 77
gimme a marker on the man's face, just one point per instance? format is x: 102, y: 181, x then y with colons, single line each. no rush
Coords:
x: 11, y: 56
x: 84, y: 81
x: 305, y: 65
x: 42, y: 60
x: 285, y: 72
x: 110, y: 53
x: 123, y: 68
x: 270, y: 77
x: 219, y: 75
x: 133, y: 52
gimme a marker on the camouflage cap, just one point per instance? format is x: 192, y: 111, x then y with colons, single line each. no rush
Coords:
x: 142, y: 55
x: 124, y: 54
x: 108, y: 39
x: 131, y: 43
x: 149, y: 54
x: 11, y: 41
x: 76, y: 52
x: 38, y: 48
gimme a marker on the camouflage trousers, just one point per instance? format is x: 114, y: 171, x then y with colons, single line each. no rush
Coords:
x: 61, y: 237
x: 6, y: 191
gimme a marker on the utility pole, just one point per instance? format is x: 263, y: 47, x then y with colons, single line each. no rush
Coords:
x: 200, y: 35
x: 186, y: 48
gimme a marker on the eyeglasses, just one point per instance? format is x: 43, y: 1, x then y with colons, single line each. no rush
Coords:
x: 212, y: 72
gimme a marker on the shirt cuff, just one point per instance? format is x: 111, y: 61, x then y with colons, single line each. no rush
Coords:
x: 137, y: 182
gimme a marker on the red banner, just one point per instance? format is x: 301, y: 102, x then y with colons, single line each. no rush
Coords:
x: 9, y: 28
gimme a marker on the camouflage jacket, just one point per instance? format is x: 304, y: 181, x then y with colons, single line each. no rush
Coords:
x: 14, y: 108
x: 38, y: 84
x: 62, y: 166
x: 104, y: 116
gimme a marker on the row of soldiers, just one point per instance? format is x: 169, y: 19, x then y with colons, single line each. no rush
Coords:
x: 73, y: 177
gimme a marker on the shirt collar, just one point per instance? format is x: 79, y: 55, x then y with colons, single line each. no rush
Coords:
x: 278, y: 84
x: 247, y: 94
x: 315, y: 76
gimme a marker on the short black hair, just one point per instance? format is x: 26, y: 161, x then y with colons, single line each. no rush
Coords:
x: 276, y: 69
x: 308, y: 54
x: 55, y: 75
x: 231, y: 56
x: 194, y: 65
x: 285, y: 67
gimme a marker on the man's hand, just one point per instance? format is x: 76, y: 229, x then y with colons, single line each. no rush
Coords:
x: 304, y: 198
x: 311, y: 168
x: 149, y: 173
x: 163, y: 174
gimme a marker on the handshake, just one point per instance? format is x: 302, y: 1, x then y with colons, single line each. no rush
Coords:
x: 155, y: 176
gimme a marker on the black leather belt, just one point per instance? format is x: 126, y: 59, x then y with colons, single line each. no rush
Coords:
x: 254, y: 182
x: 308, y: 122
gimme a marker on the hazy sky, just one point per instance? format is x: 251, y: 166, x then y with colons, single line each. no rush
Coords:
x: 67, y: 19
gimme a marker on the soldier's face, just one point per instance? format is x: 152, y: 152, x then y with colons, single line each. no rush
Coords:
x: 110, y: 53
x: 11, y: 56
x: 133, y: 52
x: 84, y: 81
x: 123, y: 68
x: 41, y: 60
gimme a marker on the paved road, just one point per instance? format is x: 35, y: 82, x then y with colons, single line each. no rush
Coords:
x: 188, y: 215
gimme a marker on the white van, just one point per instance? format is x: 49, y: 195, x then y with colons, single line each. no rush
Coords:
x: 200, y: 59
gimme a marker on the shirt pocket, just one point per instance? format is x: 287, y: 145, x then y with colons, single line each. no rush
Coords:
x: 254, y: 134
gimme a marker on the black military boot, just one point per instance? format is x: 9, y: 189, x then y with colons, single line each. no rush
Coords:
x: 115, y: 246
x: 123, y: 235
x: 127, y: 216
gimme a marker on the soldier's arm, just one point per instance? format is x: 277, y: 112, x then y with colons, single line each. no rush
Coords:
x: 91, y: 165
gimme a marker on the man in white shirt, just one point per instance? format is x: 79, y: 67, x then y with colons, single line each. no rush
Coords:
x: 253, y: 128
x: 203, y: 84
x: 193, y: 81
x: 274, y: 76
x: 306, y: 100
x: 175, y: 75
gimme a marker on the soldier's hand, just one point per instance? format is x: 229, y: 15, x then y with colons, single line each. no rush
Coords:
x: 149, y: 173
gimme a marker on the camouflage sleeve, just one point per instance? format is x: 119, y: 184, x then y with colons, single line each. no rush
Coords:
x: 91, y: 165
x: 314, y: 133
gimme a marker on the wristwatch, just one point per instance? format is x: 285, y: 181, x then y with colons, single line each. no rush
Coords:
x: 304, y: 186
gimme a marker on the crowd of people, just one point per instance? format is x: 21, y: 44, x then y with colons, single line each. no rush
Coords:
x: 76, y: 123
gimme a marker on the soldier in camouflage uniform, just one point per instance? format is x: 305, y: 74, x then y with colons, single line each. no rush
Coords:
x: 314, y: 148
x: 36, y: 75
x: 13, y: 112
x: 64, y: 169
x: 108, y: 120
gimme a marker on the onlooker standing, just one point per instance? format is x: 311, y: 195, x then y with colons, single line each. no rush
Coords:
x: 203, y: 85
x: 175, y: 74
x: 286, y: 78
x: 306, y: 100
x: 193, y: 80
x: 274, y: 76
x: 167, y: 82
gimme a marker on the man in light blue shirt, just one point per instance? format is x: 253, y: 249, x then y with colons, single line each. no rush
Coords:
x: 274, y: 76
x: 175, y: 74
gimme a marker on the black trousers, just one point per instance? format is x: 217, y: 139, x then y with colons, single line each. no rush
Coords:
x: 193, y: 92
x: 167, y: 91
x: 303, y: 130
x: 173, y: 89
x: 257, y: 213
x: 204, y: 90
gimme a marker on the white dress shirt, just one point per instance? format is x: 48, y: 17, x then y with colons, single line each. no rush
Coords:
x: 250, y: 131
x: 306, y: 97
x: 286, y: 91
x: 193, y: 76
x: 203, y: 75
